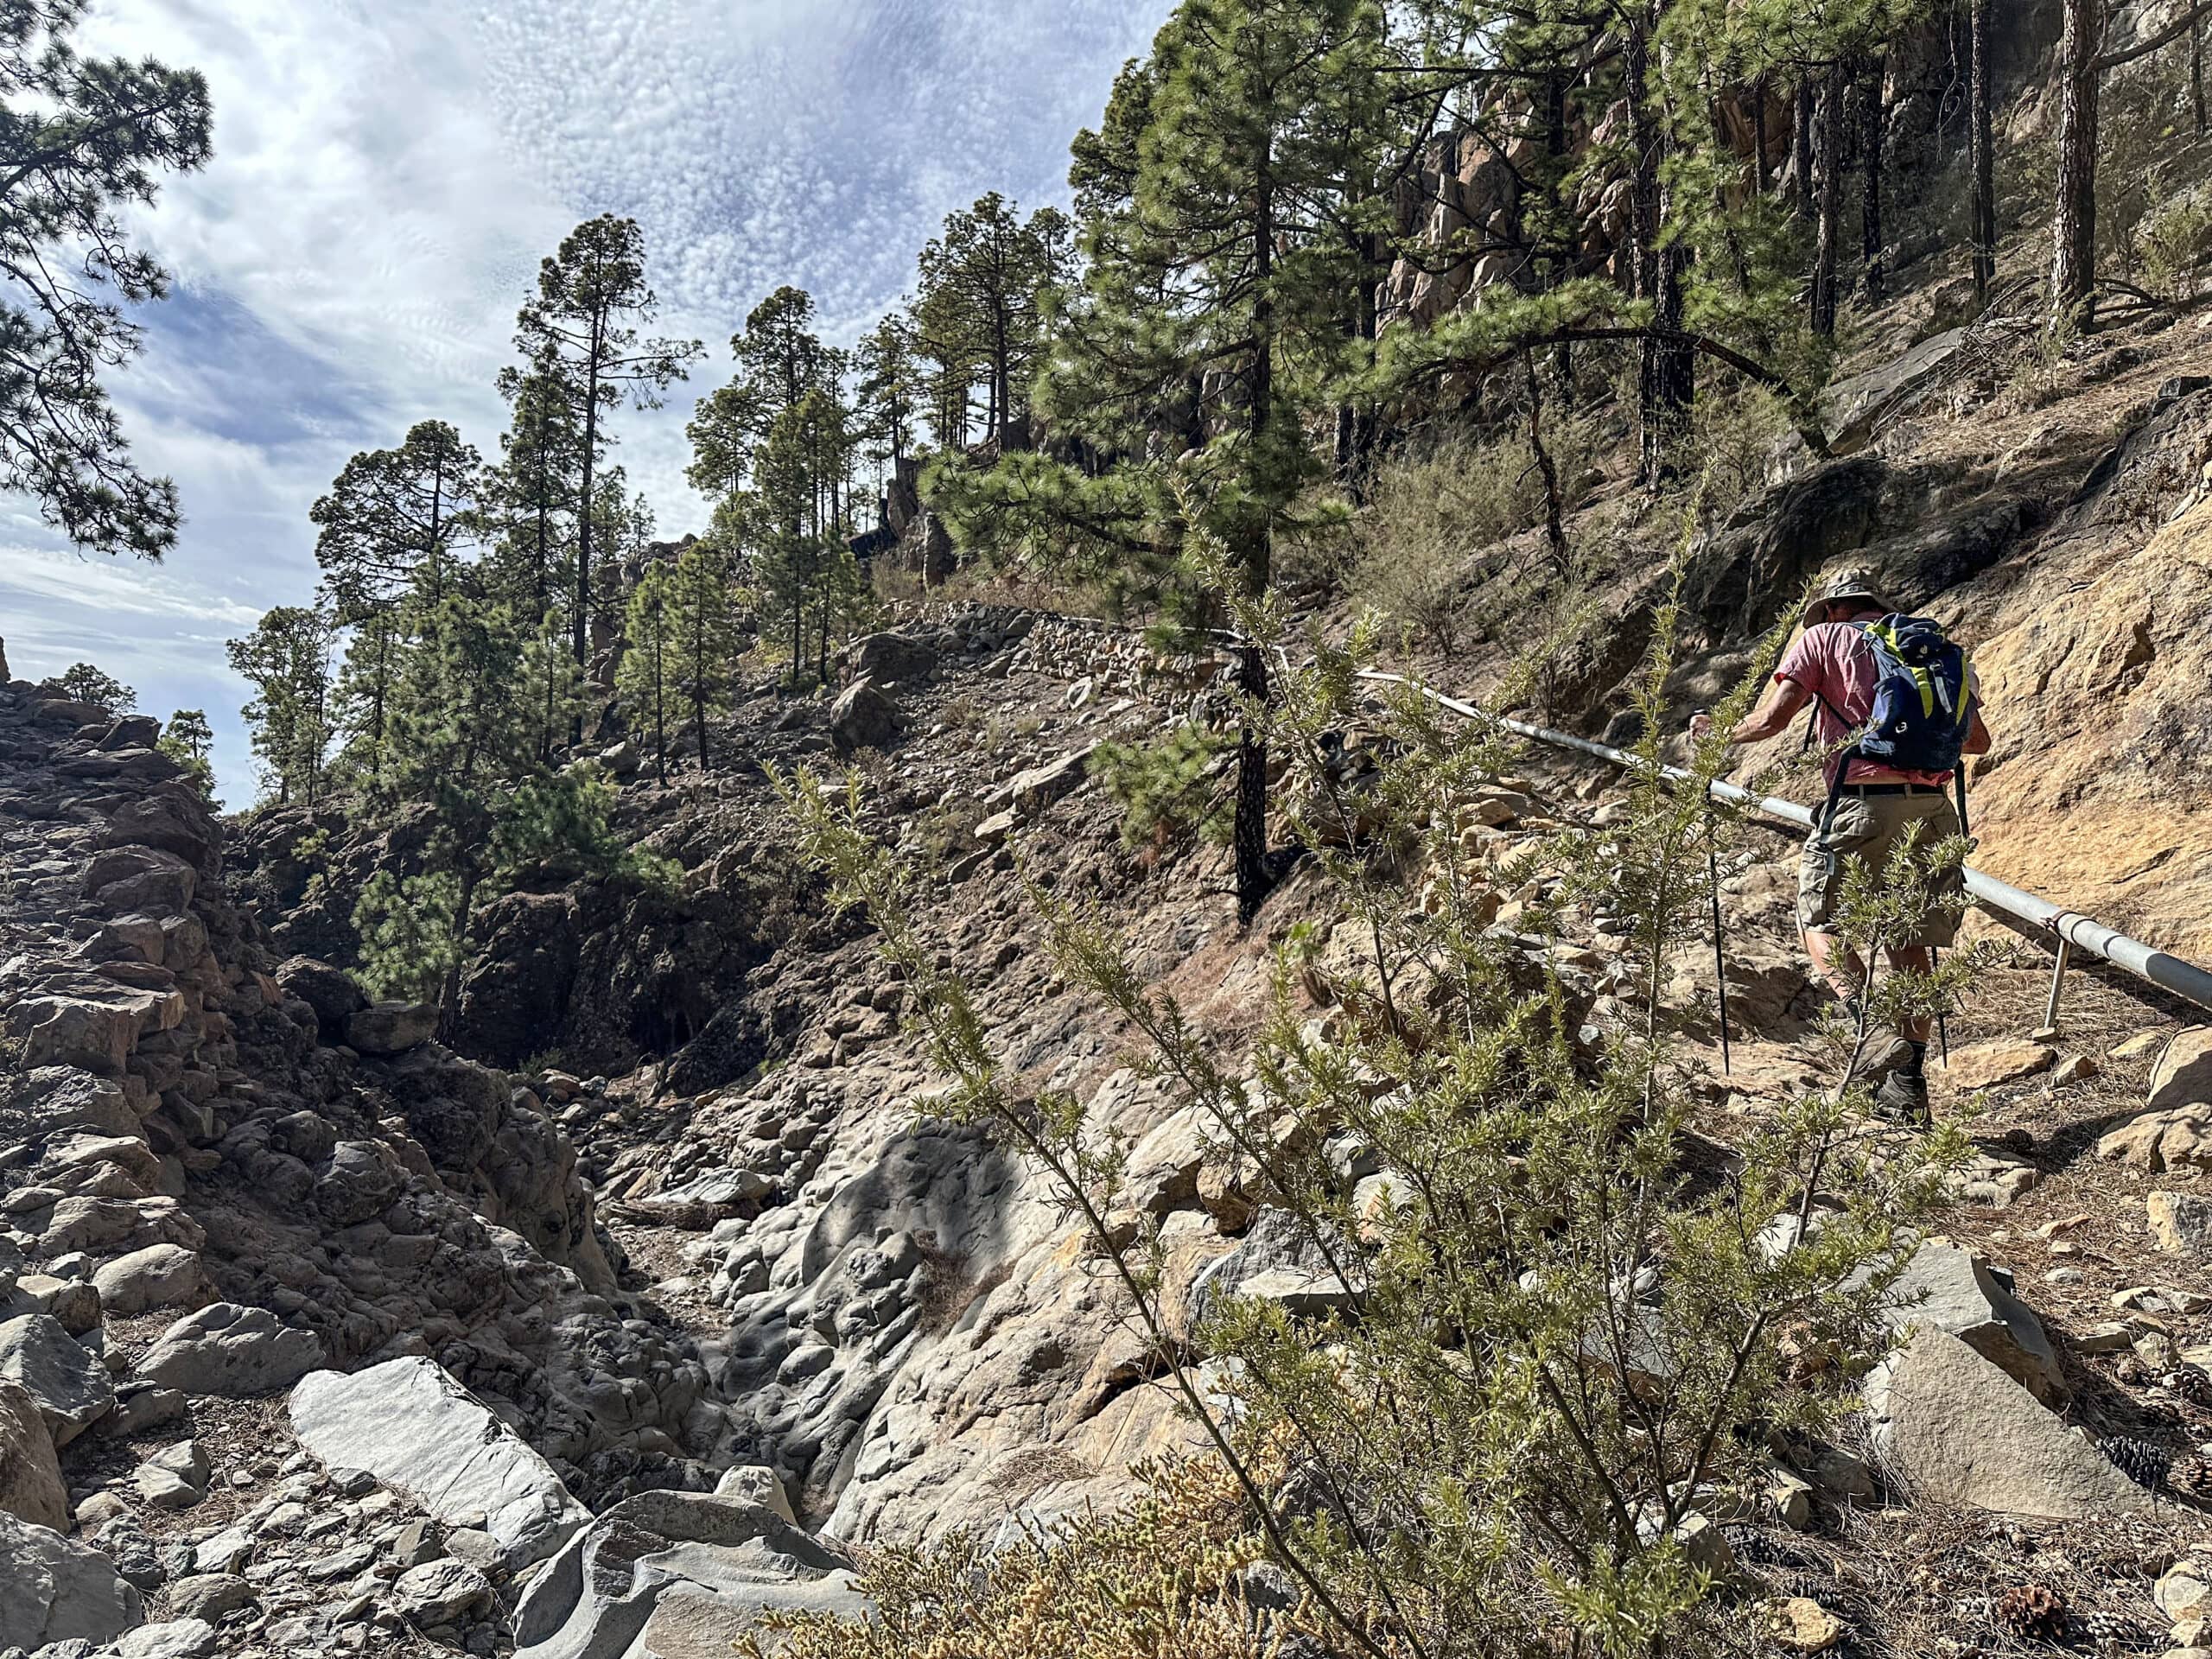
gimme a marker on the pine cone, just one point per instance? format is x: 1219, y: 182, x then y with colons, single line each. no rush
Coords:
x: 2030, y: 1610
x: 2101, y: 1626
x: 2192, y: 1478
x: 2141, y: 1461
x: 2189, y: 1383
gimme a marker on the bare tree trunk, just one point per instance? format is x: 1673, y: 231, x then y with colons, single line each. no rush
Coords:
x: 2197, y: 71
x: 1982, y: 154
x: 1801, y: 144
x: 1870, y: 157
x: 1555, y: 525
x: 1249, y: 829
x: 2073, y: 227
x: 1758, y: 136
x: 1831, y: 200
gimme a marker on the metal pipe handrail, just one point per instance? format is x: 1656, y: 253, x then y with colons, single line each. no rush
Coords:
x: 2171, y: 973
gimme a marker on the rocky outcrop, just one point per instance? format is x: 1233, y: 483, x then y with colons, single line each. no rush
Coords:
x: 412, y: 1427
x: 667, y: 1572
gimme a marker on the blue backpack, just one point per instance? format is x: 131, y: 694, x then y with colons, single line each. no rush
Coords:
x: 1923, y: 698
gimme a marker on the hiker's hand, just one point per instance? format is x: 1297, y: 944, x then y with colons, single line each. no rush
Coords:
x: 1700, y: 726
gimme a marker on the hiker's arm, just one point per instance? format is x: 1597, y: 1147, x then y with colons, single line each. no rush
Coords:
x: 1778, y: 706
x: 1978, y: 739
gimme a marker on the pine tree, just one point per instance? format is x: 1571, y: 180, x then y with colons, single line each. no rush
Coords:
x: 582, y: 327
x: 395, y: 518
x: 286, y: 659
x: 84, y: 683
x: 779, y: 359
x: 1216, y: 270
x: 82, y: 141
x: 645, y: 679
x: 891, y: 388
x: 981, y: 284
x: 187, y: 740
x: 532, y: 494
x: 797, y: 542
x: 702, y: 605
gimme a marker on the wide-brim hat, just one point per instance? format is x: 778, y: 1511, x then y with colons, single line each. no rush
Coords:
x: 1850, y: 584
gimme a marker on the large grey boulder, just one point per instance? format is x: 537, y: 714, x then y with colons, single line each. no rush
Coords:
x: 863, y: 717
x: 54, y: 1589
x: 416, y: 1429
x: 68, y: 1384
x: 330, y: 990
x: 1031, y: 792
x: 667, y: 1573
x: 1947, y: 1288
x: 1954, y: 1428
x: 30, y: 1476
x: 892, y: 658
x: 389, y: 1028
x: 161, y: 1275
x: 234, y: 1351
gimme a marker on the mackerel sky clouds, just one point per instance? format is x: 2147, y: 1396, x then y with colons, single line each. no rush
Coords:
x: 387, y: 175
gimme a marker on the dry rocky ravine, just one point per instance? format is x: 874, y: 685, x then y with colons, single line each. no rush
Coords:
x: 320, y: 1339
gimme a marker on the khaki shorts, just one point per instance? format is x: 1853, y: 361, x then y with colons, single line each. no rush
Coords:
x: 1868, y: 827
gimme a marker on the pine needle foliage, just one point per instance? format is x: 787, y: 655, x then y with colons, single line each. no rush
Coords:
x: 1557, y: 1332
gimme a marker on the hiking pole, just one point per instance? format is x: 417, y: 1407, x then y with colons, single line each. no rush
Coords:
x: 1720, y: 956
x: 1942, y: 1024
x: 1720, y: 960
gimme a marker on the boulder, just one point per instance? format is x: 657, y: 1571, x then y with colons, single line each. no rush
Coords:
x: 30, y: 1476
x: 891, y: 658
x: 1958, y: 1430
x: 863, y: 717
x: 208, y: 1595
x: 159, y: 1275
x: 2181, y: 1221
x: 411, y: 1426
x: 175, y: 1638
x: 676, y: 1573
x: 442, y: 1593
x: 1986, y: 1066
x: 328, y: 990
x: 58, y: 1589
x: 68, y: 1384
x: 757, y: 1484
x: 142, y: 878
x: 171, y: 820
x: 2160, y: 1141
x: 1277, y: 1261
x: 389, y: 1028
x: 1954, y: 1290
x: 2183, y: 1075
x: 233, y: 1352
x: 1031, y: 792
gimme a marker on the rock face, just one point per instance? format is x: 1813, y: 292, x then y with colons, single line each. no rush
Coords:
x: 391, y: 1028
x: 59, y: 1591
x: 1960, y: 1430
x: 411, y: 1426
x: 667, y: 1573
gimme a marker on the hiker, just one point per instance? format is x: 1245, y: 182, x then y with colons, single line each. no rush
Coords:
x: 1834, y: 665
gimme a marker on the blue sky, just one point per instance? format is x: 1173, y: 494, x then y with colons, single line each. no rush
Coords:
x: 387, y: 175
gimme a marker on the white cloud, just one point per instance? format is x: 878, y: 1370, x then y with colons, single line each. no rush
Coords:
x: 388, y: 173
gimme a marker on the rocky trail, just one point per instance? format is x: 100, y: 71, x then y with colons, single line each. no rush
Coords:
x: 320, y: 1338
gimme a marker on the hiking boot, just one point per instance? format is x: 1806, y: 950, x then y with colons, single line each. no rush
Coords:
x: 1902, y: 1098
x: 1887, y: 1052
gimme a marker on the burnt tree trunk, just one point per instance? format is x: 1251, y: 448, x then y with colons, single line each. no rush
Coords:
x: 1248, y: 831
x: 1982, y: 156
x: 1801, y: 145
x: 2074, y: 227
x: 1830, y: 210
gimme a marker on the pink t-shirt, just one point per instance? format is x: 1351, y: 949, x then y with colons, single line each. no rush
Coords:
x: 1833, y: 661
